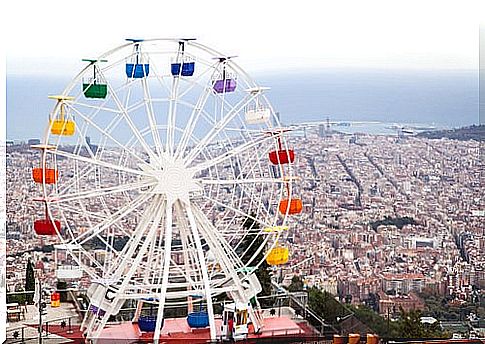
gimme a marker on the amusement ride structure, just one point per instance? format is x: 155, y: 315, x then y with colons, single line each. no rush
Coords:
x: 188, y: 151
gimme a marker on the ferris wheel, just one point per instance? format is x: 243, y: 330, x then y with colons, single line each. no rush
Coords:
x: 155, y: 158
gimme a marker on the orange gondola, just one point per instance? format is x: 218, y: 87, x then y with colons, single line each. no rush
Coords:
x: 50, y: 174
x: 43, y: 173
x: 290, y: 206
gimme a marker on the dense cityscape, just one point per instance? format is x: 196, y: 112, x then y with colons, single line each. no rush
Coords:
x: 386, y: 213
x: 386, y: 220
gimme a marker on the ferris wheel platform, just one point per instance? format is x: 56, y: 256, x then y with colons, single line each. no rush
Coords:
x: 176, y: 330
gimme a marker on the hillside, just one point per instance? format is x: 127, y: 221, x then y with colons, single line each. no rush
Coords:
x: 474, y: 132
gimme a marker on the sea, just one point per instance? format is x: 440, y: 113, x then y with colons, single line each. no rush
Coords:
x: 430, y: 98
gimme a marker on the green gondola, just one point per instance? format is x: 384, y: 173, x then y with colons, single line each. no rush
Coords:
x: 95, y: 87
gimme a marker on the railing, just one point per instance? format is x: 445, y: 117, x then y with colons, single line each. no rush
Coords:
x: 307, y: 313
x: 18, y: 334
x: 283, y: 301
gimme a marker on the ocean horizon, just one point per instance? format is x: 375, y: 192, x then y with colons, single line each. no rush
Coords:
x: 443, y: 99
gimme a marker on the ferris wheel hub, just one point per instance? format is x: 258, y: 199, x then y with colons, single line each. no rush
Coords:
x: 175, y: 181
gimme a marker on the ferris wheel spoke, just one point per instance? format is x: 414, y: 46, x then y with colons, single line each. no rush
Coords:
x: 76, y: 210
x: 136, y: 106
x: 167, y: 251
x: 186, y: 239
x: 144, y: 231
x: 237, y: 211
x: 172, y: 112
x: 232, y: 153
x: 79, y: 208
x: 103, y: 191
x: 98, y: 162
x: 71, y: 183
x: 130, y: 123
x: 110, y: 220
x: 162, y: 83
x: 193, y: 119
x: 242, y: 181
x: 108, y: 135
x: 213, y: 236
x: 98, y: 108
x: 195, y: 82
x: 203, y: 266
x: 196, y: 111
x: 209, y: 137
x: 151, y: 118
x: 244, y: 233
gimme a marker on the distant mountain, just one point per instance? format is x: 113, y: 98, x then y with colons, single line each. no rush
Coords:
x: 474, y: 132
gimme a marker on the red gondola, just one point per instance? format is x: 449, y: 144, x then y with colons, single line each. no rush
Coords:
x: 282, y: 156
x: 46, y: 227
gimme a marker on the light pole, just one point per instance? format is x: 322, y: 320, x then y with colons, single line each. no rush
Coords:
x: 40, y: 311
x: 41, y: 307
x: 388, y: 320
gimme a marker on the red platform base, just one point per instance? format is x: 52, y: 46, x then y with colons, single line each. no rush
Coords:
x: 177, y: 331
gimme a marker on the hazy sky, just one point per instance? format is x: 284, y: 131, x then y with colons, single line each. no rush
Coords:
x: 42, y: 36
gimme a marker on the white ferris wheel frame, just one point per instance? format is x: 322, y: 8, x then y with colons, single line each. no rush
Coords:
x: 147, y: 239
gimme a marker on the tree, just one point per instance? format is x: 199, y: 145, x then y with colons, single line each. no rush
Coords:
x: 380, y: 325
x: 251, y: 243
x: 29, y: 280
x: 410, y: 326
x: 325, y: 305
x: 296, y: 284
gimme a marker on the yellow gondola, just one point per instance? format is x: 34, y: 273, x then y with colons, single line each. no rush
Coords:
x: 62, y: 125
x: 279, y: 255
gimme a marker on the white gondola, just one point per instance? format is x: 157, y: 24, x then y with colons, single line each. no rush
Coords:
x: 67, y: 269
x: 258, y: 115
x: 235, y: 321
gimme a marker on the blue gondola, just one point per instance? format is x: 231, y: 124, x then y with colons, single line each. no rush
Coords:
x: 137, y: 70
x: 186, y: 66
x: 175, y: 67
x: 198, y: 319
x: 188, y: 69
x: 147, y: 323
